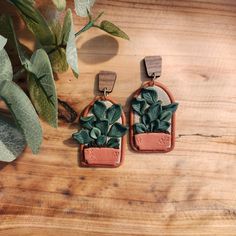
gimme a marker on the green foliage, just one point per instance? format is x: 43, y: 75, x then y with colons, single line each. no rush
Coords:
x: 153, y: 116
x: 60, y: 4
x: 101, y: 128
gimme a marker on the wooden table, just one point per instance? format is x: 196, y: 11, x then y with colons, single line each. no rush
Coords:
x: 190, y: 191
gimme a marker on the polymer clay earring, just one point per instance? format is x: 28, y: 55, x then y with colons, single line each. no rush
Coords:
x: 152, y: 113
x: 102, y: 137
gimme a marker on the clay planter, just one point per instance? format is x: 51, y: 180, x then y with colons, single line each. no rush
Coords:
x: 152, y: 141
x: 102, y: 156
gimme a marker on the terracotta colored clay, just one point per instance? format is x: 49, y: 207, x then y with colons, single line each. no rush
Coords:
x: 152, y: 141
x: 102, y: 156
x: 132, y: 116
x: 83, y: 161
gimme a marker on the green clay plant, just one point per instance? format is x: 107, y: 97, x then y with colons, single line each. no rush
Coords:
x: 153, y: 116
x: 102, y: 127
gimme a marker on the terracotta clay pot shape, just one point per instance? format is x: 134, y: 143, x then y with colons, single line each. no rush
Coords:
x: 102, y: 156
x: 153, y: 141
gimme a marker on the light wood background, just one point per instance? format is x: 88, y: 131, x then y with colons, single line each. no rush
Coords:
x: 190, y: 191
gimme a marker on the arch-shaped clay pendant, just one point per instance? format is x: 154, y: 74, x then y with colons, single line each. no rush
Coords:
x: 102, y: 137
x: 152, y: 114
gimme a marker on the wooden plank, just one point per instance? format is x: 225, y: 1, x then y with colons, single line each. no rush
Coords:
x: 190, y: 191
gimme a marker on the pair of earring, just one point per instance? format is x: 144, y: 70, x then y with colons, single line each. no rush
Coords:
x: 152, y: 121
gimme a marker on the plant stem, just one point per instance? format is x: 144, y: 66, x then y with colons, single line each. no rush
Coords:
x: 85, y: 28
x: 18, y: 74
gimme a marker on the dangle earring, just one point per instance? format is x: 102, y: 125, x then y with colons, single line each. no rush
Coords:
x: 102, y: 137
x: 152, y: 113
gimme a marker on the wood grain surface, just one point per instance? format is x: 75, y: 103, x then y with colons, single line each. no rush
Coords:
x: 190, y: 191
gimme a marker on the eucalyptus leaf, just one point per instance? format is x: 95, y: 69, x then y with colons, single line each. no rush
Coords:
x: 95, y: 133
x: 149, y: 94
x: 102, y: 125
x: 165, y: 116
x: 99, y: 109
x: 42, y: 87
x: 12, y: 141
x: 82, y: 137
x: 113, y: 143
x: 117, y: 130
x: 101, y: 140
x: 71, y: 50
x: 23, y: 112
x: 154, y: 111
x: 164, y: 126
x: 139, y: 128
x: 82, y: 6
x: 112, y: 29
x: 6, y: 72
x: 60, y: 4
x: 139, y: 105
x: 87, y: 122
x: 113, y: 113
x: 3, y: 42
x: 35, y: 21
x: 171, y: 107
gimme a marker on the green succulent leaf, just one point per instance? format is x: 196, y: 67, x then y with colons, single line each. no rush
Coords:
x: 102, y: 125
x: 23, y: 113
x: 5, y: 66
x: 112, y: 29
x: 155, y: 126
x: 165, y: 116
x: 66, y: 27
x: 35, y: 21
x: 171, y: 107
x: 149, y: 94
x: 139, y: 128
x: 42, y: 87
x: 117, y: 130
x: 71, y: 50
x: 139, y: 105
x: 164, y: 126
x: 60, y: 4
x: 12, y: 141
x: 95, y: 133
x: 101, y: 140
x: 113, y: 113
x: 3, y: 42
x: 82, y: 7
x: 113, y: 143
x: 145, y: 119
x: 87, y: 122
x: 82, y: 137
x: 99, y: 109
x: 154, y: 111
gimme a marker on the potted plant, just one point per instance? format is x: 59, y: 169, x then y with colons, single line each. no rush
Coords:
x: 101, y: 136
x: 152, y: 124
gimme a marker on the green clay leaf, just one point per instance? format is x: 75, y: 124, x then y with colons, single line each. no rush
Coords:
x: 171, y: 107
x: 155, y: 126
x: 113, y: 113
x: 95, y: 133
x: 87, y: 122
x: 101, y: 140
x: 71, y: 49
x: 145, y: 119
x: 35, y: 21
x: 42, y: 87
x: 112, y: 29
x: 66, y: 27
x: 12, y: 141
x: 82, y: 6
x: 117, y: 130
x: 99, y: 109
x: 139, y: 105
x: 102, y: 125
x: 164, y: 126
x: 165, y: 116
x: 113, y: 143
x: 154, y: 111
x: 60, y: 4
x: 3, y: 42
x: 6, y: 72
x: 149, y: 94
x: 82, y: 137
x: 23, y: 112
x: 139, y: 128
